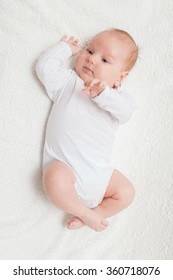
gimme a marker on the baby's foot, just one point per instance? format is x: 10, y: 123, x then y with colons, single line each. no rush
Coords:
x: 94, y: 220
x: 91, y: 219
x: 75, y: 223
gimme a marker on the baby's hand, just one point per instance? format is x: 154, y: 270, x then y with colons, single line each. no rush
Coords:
x: 73, y: 43
x: 93, y: 87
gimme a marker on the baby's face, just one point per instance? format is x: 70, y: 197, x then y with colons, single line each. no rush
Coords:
x: 104, y: 59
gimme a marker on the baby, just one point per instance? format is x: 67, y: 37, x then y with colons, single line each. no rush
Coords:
x: 88, y: 106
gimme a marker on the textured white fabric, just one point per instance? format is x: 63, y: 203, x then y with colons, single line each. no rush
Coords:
x: 80, y: 130
x: 30, y: 226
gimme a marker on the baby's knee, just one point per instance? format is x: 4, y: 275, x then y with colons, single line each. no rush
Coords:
x: 56, y: 179
x: 53, y: 187
x: 129, y: 193
x: 49, y: 178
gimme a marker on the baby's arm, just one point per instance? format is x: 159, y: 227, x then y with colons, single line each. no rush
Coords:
x: 115, y: 101
x: 51, y: 66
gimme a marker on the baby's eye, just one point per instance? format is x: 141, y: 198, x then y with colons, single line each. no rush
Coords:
x: 105, y: 60
x: 89, y: 51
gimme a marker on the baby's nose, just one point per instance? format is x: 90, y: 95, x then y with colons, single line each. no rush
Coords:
x: 92, y: 59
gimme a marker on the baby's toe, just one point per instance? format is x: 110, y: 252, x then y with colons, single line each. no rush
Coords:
x: 102, y: 226
x: 75, y: 223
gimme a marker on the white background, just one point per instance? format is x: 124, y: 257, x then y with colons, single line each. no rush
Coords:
x: 32, y: 228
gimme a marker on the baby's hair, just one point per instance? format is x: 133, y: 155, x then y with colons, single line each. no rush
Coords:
x: 134, y: 53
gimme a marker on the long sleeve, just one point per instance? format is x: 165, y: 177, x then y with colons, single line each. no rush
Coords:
x: 51, y: 68
x: 117, y: 102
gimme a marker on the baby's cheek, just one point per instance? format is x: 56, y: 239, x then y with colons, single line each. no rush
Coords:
x: 76, y: 67
x: 78, y: 63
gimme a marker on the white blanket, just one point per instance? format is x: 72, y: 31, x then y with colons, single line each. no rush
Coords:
x: 30, y: 226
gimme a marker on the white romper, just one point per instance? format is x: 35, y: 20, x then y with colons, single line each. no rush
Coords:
x: 80, y: 130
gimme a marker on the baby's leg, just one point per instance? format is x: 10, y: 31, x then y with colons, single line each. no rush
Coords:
x: 119, y: 195
x: 59, y: 183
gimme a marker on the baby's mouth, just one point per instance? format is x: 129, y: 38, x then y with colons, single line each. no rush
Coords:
x: 87, y: 70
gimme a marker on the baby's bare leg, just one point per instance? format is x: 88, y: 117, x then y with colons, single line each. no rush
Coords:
x: 119, y: 195
x: 59, y: 183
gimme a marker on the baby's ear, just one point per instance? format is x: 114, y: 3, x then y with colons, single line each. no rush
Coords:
x: 123, y: 75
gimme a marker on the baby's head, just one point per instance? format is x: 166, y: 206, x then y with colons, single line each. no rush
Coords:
x: 109, y: 56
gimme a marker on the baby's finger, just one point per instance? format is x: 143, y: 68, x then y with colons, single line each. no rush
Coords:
x: 94, y: 82
x: 86, y: 91
x: 87, y: 82
x: 102, y: 85
x: 64, y: 38
x: 76, y: 42
x: 71, y: 39
x: 91, y: 82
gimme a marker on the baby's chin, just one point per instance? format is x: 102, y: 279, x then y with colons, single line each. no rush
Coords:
x: 81, y: 74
